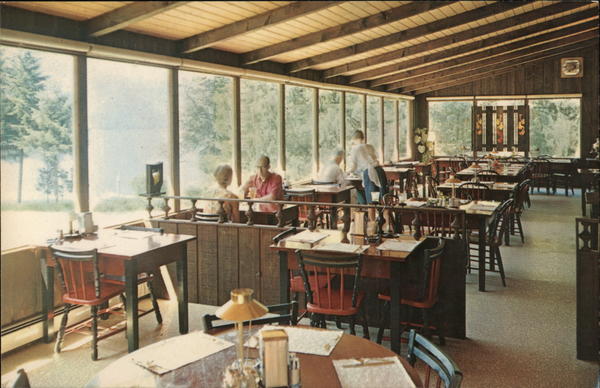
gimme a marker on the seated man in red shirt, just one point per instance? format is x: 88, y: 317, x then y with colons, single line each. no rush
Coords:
x: 264, y: 184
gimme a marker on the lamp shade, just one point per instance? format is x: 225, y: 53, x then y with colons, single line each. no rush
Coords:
x: 241, y: 307
x: 453, y: 179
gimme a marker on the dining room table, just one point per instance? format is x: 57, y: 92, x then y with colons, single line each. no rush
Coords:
x: 122, y: 255
x: 378, y: 263
x: 498, y: 191
x: 508, y: 172
x: 154, y: 365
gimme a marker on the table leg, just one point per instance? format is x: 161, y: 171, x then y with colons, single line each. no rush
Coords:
x: 482, y: 254
x: 47, y: 299
x: 131, y: 290
x: 182, y: 290
x: 284, y: 278
x: 395, y: 294
x: 333, y: 218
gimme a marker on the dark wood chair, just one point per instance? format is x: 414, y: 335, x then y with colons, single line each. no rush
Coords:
x: 475, y: 191
x: 541, y: 175
x: 563, y: 176
x: 332, y: 297
x: 305, y: 196
x: 283, y: 314
x: 520, y: 196
x: 206, y: 217
x: 488, y: 175
x: 19, y: 381
x: 493, y: 239
x: 83, y: 284
x: 420, y: 295
x: 446, y: 370
x: 431, y: 184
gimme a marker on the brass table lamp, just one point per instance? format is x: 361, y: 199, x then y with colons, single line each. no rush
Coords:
x: 242, y: 307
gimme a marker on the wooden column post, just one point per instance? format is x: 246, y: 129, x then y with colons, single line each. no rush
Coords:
x: 81, y: 183
x: 315, y: 137
x: 397, y: 145
x: 381, y: 128
x: 281, y: 129
x: 236, y: 129
x: 175, y: 188
x: 364, y: 117
x: 343, y: 126
x: 411, y: 129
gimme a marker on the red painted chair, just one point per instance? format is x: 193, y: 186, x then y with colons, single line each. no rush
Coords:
x: 83, y: 284
x: 421, y: 295
x: 325, y: 276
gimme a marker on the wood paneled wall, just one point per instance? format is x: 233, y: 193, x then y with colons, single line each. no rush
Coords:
x: 228, y: 256
x: 540, y: 77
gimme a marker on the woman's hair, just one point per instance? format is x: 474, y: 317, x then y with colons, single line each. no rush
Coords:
x: 358, y: 135
x: 223, y: 173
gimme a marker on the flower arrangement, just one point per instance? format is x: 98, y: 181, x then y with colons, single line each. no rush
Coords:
x: 420, y: 140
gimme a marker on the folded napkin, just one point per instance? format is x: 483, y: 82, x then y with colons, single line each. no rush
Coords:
x: 372, y: 372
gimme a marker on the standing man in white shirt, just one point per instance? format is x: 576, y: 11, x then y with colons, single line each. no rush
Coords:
x: 331, y: 172
x: 362, y: 162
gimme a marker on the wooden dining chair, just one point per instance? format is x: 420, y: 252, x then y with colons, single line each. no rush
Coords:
x: 438, y: 363
x: 488, y: 175
x: 283, y: 314
x: 541, y: 176
x: 493, y: 239
x: 83, y: 284
x: 420, y: 294
x: 474, y: 191
x: 520, y: 195
x: 563, y: 175
x: 333, y: 297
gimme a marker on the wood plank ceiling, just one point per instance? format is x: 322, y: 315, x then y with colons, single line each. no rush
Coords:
x: 397, y: 46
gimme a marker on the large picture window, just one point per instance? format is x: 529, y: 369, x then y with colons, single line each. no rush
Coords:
x: 404, y: 151
x: 389, y: 131
x: 205, y: 129
x: 36, y: 91
x: 260, y: 120
x: 329, y: 124
x: 554, y: 127
x: 298, y: 132
x: 374, y: 124
x: 450, y: 121
x: 354, y: 117
x: 128, y: 128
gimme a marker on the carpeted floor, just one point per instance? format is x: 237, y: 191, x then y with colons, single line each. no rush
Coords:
x: 519, y: 336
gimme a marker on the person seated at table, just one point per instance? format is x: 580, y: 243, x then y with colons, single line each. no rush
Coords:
x: 264, y: 184
x: 223, y: 176
x: 331, y: 172
x: 363, y: 162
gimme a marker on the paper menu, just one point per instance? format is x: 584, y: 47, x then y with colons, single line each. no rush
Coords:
x: 305, y: 340
x: 372, y: 372
x: 173, y: 353
x: 342, y: 247
x: 415, y: 203
x: 399, y: 245
x: 307, y: 237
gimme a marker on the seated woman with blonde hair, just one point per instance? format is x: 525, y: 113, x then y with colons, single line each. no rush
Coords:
x: 223, y: 175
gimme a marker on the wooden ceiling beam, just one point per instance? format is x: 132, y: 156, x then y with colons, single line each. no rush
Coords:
x: 444, y: 75
x: 557, y: 52
x: 127, y: 15
x: 398, y: 37
x: 353, y: 27
x: 512, y: 21
x: 266, y: 19
x: 512, y: 50
x: 389, y: 70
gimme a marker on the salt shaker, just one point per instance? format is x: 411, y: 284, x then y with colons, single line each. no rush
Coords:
x: 294, y: 375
